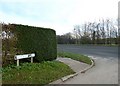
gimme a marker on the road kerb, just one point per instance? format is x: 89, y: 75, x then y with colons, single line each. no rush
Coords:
x: 82, y: 71
x: 68, y: 77
x: 63, y: 79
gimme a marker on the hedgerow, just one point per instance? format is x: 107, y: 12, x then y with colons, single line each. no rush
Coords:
x: 38, y: 40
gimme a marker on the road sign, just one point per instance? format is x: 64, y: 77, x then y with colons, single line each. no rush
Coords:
x: 17, y: 57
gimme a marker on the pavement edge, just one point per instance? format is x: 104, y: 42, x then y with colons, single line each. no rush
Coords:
x: 63, y: 79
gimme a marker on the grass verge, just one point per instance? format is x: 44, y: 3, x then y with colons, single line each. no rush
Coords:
x: 107, y: 45
x: 77, y: 57
x: 35, y: 73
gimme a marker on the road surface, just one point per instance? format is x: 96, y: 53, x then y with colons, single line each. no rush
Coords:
x: 105, y: 70
x: 97, y: 51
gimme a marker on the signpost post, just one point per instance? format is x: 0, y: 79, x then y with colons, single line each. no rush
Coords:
x: 18, y: 57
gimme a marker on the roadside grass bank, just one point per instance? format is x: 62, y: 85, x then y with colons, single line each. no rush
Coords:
x: 35, y: 73
x: 107, y: 45
x: 77, y: 57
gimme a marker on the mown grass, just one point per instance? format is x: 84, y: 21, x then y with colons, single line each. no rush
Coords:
x: 35, y: 73
x: 77, y: 57
x: 107, y: 45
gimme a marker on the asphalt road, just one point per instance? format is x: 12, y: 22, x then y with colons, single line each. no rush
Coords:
x: 96, y: 51
x: 105, y: 70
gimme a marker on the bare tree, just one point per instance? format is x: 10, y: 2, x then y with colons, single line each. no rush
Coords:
x: 104, y: 31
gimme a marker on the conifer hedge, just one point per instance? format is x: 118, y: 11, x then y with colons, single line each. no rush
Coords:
x: 38, y: 40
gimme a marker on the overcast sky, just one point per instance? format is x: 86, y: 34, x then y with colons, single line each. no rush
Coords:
x: 60, y: 15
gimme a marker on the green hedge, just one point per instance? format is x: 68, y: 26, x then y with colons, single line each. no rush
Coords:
x: 38, y: 40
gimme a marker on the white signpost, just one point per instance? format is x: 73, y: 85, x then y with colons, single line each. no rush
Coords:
x: 17, y: 57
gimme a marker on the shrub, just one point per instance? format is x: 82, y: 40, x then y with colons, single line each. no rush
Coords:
x: 38, y: 40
